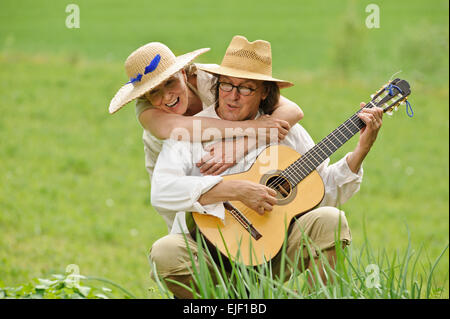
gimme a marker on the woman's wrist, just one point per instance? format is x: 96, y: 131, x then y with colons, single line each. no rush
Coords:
x: 253, y: 126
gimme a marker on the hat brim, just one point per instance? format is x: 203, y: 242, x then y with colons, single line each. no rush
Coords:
x: 130, y: 92
x: 227, y: 71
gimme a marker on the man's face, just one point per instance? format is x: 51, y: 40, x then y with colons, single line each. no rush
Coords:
x: 234, y: 106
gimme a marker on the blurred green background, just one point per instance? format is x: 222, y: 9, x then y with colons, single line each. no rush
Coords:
x: 73, y: 187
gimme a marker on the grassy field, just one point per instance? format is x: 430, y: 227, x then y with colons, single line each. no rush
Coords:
x: 73, y: 188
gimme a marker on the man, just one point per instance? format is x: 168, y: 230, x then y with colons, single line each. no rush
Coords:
x: 246, y: 89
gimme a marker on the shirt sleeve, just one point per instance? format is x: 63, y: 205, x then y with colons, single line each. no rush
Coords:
x: 175, y: 188
x: 340, y: 182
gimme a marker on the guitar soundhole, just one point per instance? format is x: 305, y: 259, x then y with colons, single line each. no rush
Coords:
x: 281, y: 185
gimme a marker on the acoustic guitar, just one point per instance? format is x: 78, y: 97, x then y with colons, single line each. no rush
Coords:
x: 252, y: 238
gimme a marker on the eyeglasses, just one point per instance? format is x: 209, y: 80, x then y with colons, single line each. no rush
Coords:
x: 243, y: 90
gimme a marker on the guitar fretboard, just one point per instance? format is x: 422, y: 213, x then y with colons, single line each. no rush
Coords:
x: 302, y: 167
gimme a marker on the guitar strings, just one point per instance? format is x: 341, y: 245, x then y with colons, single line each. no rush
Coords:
x: 331, y: 143
x: 298, y: 165
x: 290, y: 171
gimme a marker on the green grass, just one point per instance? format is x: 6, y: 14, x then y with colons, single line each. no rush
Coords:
x: 363, y: 274
x: 73, y: 185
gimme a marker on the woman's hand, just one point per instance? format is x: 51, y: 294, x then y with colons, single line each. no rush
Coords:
x: 270, y: 123
x: 222, y: 155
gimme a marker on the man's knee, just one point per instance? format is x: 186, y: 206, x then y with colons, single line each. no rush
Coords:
x: 164, y: 253
x: 322, y: 225
x: 331, y: 219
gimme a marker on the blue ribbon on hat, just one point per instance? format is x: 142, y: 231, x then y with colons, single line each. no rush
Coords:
x: 136, y: 79
x: 149, y: 68
x: 153, y: 65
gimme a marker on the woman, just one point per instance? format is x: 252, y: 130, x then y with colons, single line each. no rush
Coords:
x: 170, y: 90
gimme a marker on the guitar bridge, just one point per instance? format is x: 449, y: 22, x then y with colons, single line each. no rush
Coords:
x: 242, y: 220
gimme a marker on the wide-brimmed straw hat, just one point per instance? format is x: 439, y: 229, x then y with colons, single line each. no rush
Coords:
x: 147, y: 67
x: 248, y: 60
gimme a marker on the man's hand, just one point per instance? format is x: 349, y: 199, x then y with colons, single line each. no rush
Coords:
x: 258, y: 197
x: 373, y: 118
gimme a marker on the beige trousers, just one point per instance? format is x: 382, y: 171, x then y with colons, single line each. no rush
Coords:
x: 320, y: 226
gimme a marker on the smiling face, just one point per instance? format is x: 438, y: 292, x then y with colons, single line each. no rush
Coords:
x: 171, y: 95
x: 234, y: 106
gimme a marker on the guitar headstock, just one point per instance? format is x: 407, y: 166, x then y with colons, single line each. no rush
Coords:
x: 390, y: 95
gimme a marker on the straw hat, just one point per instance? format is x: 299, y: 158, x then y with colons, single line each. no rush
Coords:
x: 248, y: 60
x: 147, y: 67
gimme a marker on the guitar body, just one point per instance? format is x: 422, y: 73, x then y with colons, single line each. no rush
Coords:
x: 272, y: 226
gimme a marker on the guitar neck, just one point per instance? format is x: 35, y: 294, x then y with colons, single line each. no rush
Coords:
x: 302, y: 167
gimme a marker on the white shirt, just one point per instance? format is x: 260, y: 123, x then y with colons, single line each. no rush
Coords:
x: 177, y: 183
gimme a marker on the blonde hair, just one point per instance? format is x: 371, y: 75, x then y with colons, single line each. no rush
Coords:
x: 190, y: 69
